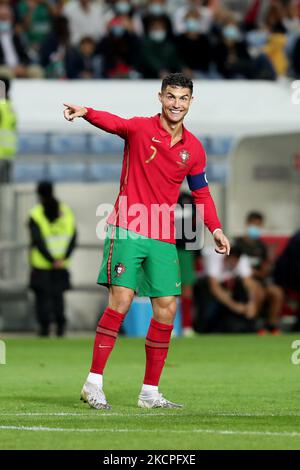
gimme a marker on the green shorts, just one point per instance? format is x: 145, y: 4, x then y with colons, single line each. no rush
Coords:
x: 150, y: 267
x: 187, y: 268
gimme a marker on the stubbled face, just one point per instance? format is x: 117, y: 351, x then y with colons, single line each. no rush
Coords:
x: 175, y: 102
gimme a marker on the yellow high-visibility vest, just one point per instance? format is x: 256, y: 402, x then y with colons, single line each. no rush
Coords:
x: 8, y: 136
x: 57, y: 235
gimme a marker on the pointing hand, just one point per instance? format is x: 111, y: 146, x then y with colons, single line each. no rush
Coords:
x: 72, y: 111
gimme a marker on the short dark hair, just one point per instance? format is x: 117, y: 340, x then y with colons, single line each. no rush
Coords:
x: 177, y: 80
x: 45, y: 189
x: 254, y: 215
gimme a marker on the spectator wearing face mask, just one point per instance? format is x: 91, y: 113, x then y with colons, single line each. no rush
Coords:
x: 123, y: 9
x: 251, y: 245
x: 205, y: 18
x: 85, y: 19
x: 14, y: 60
x: 154, y: 9
x: 119, y: 49
x: 194, y: 48
x: 158, y: 53
x: 231, y: 55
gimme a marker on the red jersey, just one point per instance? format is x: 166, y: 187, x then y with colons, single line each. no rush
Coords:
x: 152, y: 175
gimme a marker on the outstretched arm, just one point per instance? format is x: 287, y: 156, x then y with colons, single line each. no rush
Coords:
x: 103, y: 120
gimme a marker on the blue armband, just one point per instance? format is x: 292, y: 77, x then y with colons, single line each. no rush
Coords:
x: 197, y: 181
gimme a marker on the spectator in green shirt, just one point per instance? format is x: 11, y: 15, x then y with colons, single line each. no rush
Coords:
x: 35, y: 18
x: 158, y: 54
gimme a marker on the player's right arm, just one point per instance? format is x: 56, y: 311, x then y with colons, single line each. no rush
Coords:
x: 108, y: 122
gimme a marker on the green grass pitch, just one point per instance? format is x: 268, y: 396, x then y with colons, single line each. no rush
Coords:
x: 239, y: 392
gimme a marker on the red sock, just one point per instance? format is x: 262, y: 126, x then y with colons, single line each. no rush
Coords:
x: 186, y: 312
x: 106, y: 335
x: 157, y: 346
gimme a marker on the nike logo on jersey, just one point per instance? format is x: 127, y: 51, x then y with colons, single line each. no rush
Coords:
x: 156, y: 140
x: 178, y: 284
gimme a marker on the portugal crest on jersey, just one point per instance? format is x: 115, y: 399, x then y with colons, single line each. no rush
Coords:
x: 184, y: 156
x: 119, y: 269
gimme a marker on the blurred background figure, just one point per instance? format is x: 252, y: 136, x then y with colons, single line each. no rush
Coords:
x: 204, y: 19
x: 123, y: 9
x: 231, y: 300
x: 119, y: 49
x: 194, y: 47
x: 34, y: 21
x: 153, y: 9
x: 86, y: 18
x: 256, y: 250
x: 287, y: 273
x: 83, y: 61
x: 158, y: 53
x: 14, y: 51
x: 54, y: 49
x: 52, y: 241
x: 185, y: 223
x: 8, y: 132
x: 275, y: 47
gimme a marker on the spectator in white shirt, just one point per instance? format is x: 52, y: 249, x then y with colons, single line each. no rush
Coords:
x: 85, y: 19
x: 231, y: 285
x: 14, y: 60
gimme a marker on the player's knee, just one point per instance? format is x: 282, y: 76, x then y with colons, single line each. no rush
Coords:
x: 121, y: 300
x: 121, y: 305
x: 165, y: 312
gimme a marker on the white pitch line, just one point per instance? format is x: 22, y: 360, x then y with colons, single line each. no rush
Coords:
x: 209, y: 414
x: 93, y: 414
x: 174, y: 431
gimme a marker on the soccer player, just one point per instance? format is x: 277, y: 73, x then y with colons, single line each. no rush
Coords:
x: 159, y: 153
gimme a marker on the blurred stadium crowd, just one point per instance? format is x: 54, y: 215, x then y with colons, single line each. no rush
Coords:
x: 72, y: 39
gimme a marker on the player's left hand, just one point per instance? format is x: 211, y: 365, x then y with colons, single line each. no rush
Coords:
x: 222, y: 243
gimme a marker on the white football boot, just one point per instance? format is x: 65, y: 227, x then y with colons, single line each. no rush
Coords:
x: 156, y: 401
x: 94, y: 396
